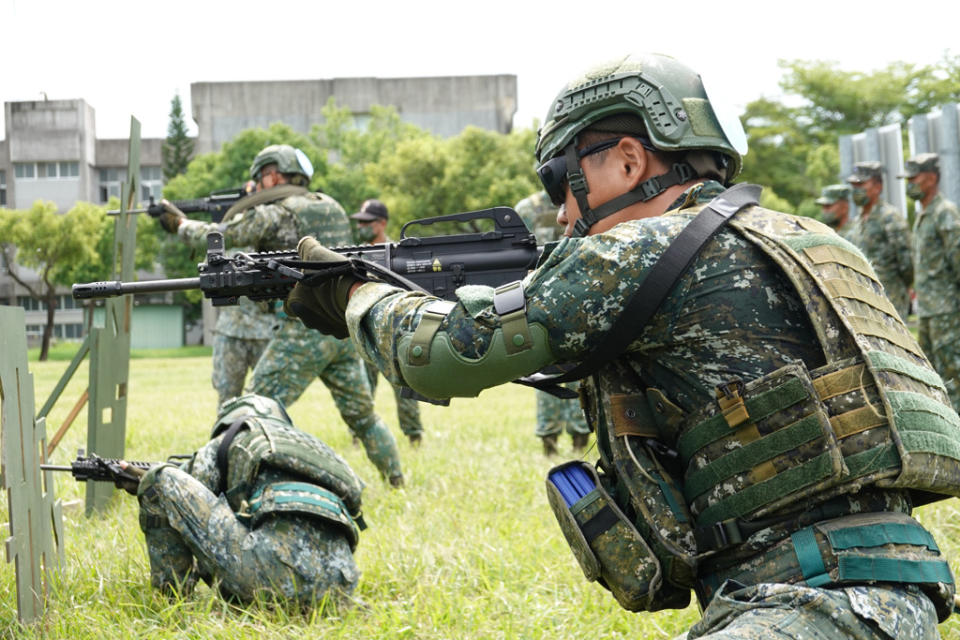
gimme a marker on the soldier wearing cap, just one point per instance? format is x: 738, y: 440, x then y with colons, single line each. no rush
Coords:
x: 936, y: 254
x: 554, y: 415
x: 281, y: 211
x: 882, y: 234
x: 834, y: 201
x: 765, y: 421
x: 372, y: 229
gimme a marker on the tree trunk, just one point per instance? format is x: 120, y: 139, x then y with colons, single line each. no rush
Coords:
x: 51, y: 300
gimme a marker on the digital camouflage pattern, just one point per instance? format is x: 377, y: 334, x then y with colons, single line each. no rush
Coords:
x: 789, y: 612
x: 554, y: 415
x: 884, y: 238
x: 192, y: 533
x: 408, y: 409
x: 297, y: 355
x: 937, y: 271
x: 733, y: 314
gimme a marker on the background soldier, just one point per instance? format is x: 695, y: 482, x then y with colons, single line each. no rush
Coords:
x: 281, y: 211
x: 372, y: 229
x: 262, y: 510
x: 764, y: 419
x: 936, y: 254
x: 554, y: 415
x: 882, y: 234
x: 834, y: 201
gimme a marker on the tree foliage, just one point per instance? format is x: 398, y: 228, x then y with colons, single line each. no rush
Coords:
x: 178, y: 147
x: 793, y: 141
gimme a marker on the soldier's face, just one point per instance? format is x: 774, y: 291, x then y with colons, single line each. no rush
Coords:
x: 835, y: 214
x: 873, y: 188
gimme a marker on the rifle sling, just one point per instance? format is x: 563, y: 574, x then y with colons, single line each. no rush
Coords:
x: 223, y: 449
x: 648, y: 297
x: 262, y: 197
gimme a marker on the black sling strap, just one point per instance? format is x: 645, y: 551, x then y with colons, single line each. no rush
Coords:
x: 224, y: 448
x: 648, y: 297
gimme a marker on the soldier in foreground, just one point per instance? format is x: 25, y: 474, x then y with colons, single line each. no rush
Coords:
x: 882, y: 234
x: 765, y: 422
x: 835, y: 206
x: 372, y: 229
x: 554, y: 415
x: 274, y: 218
x: 261, y: 511
x: 936, y: 254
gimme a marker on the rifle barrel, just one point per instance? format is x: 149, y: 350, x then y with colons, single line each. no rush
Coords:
x: 113, y: 288
x: 55, y: 467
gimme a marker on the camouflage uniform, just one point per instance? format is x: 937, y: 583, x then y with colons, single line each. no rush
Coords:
x: 554, y: 415
x: 733, y: 315
x: 884, y: 238
x: 297, y: 355
x: 239, y: 337
x: 936, y: 255
x: 408, y: 409
x: 192, y: 530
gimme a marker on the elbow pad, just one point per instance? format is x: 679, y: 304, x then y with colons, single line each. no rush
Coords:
x: 432, y: 366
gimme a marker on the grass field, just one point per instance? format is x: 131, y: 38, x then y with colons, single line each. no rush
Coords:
x: 469, y: 549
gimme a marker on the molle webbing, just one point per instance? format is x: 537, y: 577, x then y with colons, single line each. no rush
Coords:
x: 884, y: 547
x: 303, y: 498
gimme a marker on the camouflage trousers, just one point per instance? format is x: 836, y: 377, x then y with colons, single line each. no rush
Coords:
x: 556, y: 415
x: 232, y: 358
x: 408, y: 409
x: 771, y: 611
x: 192, y: 533
x: 939, y: 337
x: 296, y: 356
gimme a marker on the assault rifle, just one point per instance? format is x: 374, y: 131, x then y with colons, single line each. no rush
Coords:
x: 216, y: 204
x: 434, y: 264
x: 93, y: 468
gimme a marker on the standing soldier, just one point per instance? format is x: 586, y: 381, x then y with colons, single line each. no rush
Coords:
x: 372, y: 229
x: 882, y: 234
x: 936, y: 254
x: 282, y: 210
x: 554, y: 415
x: 834, y: 202
x: 765, y: 421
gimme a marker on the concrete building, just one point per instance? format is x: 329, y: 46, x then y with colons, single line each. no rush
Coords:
x: 51, y: 151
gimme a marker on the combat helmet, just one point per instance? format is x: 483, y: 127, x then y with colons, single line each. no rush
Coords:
x: 654, y: 96
x: 289, y: 161
x: 250, y: 404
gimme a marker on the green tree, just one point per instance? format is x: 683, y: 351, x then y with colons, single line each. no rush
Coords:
x: 178, y: 147
x: 793, y: 142
x: 52, y: 244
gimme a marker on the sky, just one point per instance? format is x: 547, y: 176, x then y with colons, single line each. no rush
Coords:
x: 130, y: 57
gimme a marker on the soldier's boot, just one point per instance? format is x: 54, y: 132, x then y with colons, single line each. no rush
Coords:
x: 580, y: 441
x: 416, y: 440
x: 549, y: 445
x: 396, y: 481
x: 380, y: 445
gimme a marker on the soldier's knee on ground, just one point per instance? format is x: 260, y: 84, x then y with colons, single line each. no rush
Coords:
x: 172, y: 567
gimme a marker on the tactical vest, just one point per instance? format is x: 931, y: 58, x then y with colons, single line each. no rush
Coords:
x: 794, y: 440
x: 320, y: 484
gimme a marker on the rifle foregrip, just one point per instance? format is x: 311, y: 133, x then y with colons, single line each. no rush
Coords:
x: 106, y: 289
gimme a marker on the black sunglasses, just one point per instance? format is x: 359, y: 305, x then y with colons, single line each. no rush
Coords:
x: 553, y: 172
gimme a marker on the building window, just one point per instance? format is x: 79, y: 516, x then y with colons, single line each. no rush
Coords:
x: 3, y: 188
x: 24, y: 170
x: 151, y: 183
x: 69, y: 169
x: 53, y: 170
x: 34, y: 329
x: 110, y: 182
x: 66, y: 302
x: 31, y: 304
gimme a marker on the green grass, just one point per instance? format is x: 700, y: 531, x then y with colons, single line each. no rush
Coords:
x: 64, y: 351
x: 469, y: 549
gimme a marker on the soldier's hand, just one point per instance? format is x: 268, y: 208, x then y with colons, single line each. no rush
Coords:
x: 321, y: 304
x: 171, y: 217
x: 127, y: 477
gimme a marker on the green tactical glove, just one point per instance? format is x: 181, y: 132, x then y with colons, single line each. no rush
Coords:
x: 126, y: 477
x: 171, y: 217
x: 322, y: 304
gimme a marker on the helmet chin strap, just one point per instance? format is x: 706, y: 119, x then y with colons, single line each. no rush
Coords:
x: 680, y: 173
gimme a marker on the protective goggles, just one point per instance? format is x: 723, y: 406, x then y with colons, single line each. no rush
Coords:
x: 553, y: 172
